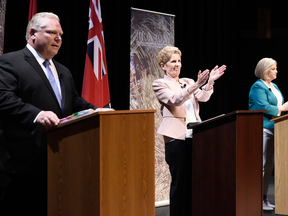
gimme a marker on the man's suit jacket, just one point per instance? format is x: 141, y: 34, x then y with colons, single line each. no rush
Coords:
x: 24, y: 92
x: 262, y: 98
x: 172, y: 99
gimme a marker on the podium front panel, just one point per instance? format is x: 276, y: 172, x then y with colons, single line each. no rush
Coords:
x: 281, y: 165
x: 227, y: 165
x: 103, y: 165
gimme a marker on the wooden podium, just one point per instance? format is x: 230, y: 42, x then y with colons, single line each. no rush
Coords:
x: 227, y: 165
x: 102, y: 165
x: 281, y: 164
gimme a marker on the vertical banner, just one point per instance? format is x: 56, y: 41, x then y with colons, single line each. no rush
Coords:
x: 95, y: 87
x: 2, y: 24
x: 150, y: 32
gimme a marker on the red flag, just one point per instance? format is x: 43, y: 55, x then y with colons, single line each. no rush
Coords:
x: 95, y: 82
x: 32, y: 9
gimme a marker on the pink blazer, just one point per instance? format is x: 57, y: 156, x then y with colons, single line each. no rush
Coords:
x: 172, y: 99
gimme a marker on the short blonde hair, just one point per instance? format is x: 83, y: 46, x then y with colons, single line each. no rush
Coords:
x: 263, y: 67
x: 38, y: 22
x: 165, y: 54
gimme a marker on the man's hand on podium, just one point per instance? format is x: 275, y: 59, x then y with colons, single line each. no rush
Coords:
x: 48, y: 119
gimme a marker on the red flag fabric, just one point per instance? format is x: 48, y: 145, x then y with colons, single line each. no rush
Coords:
x: 32, y: 9
x: 95, y: 82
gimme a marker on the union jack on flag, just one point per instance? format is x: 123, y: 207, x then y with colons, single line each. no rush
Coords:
x: 95, y: 82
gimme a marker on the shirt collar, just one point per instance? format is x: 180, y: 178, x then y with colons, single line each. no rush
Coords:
x: 38, y: 57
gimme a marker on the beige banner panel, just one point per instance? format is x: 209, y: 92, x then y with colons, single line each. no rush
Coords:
x: 150, y: 32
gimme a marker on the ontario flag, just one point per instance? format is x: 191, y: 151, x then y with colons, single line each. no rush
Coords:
x: 95, y: 81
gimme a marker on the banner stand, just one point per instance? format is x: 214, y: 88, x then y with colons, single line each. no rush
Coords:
x: 150, y: 32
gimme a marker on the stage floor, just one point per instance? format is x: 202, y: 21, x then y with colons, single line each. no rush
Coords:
x: 164, y: 210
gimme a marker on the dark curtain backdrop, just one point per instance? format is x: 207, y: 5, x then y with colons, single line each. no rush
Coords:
x: 208, y: 32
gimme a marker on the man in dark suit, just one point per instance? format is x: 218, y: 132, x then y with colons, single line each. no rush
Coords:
x: 28, y: 105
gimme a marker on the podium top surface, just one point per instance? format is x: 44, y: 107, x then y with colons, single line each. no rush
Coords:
x: 280, y: 118
x: 112, y: 112
x: 236, y: 112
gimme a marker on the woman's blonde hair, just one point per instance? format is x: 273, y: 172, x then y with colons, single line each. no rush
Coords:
x: 263, y: 67
x: 165, y: 54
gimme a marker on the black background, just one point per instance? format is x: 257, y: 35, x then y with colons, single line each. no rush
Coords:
x: 207, y: 32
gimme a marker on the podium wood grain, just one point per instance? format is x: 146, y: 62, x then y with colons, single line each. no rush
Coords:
x: 227, y: 165
x: 281, y: 165
x: 103, y: 165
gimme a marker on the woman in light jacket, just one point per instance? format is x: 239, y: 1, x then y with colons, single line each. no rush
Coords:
x: 179, y: 106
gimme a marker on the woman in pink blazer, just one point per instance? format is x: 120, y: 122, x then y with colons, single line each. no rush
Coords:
x: 179, y: 106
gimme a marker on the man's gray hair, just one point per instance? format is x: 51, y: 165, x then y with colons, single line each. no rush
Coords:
x: 38, y: 22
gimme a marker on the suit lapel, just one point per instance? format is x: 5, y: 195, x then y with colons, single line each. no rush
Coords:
x: 34, y: 63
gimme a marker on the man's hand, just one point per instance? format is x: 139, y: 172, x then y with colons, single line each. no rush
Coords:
x: 48, y: 119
